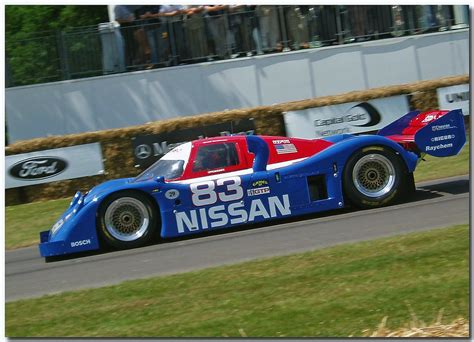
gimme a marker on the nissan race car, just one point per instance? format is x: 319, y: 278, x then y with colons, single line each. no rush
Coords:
x: 222, y: 182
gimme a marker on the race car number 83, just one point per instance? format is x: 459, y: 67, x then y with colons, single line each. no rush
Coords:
x: 204, y: 193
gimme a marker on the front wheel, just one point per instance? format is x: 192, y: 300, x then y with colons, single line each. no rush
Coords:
x: 127, y: 219
x: 374, y: 176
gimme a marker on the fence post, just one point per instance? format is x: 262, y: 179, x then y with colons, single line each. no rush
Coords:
x: 63, y: 58
x: 173, y: 60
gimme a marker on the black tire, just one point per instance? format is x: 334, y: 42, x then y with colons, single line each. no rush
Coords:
x: 375, y: 176
x: 127, y: 219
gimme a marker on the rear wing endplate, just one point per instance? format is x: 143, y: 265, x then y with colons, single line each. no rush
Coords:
x: 437, y: 133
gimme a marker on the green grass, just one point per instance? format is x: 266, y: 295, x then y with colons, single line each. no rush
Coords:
x: 24, y: 222
x: 338, y: 291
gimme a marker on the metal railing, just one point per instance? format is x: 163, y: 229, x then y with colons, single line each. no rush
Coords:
x: 243, y: 31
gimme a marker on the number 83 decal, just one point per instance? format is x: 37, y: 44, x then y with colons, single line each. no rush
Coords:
x: 204, y: 193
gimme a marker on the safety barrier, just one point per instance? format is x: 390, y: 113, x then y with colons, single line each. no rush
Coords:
x: 117, y: 148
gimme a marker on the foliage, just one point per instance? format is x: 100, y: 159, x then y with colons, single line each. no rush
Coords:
x: 33, y: 41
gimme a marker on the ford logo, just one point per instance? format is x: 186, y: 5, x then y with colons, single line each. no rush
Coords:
x: 38, y: 168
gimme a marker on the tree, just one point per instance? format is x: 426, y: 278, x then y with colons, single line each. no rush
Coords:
x: 34, y: 42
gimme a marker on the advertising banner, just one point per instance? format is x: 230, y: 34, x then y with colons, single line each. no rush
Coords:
x: 352, y: 117
x: 454, y: 97
x: 53, y: 165
x: 149, y: 148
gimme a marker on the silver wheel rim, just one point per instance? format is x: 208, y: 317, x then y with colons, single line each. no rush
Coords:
x: 127, y: 219
x: 373, y: 175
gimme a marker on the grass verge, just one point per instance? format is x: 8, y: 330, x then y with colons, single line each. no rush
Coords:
x: 24, y: 222
x: 338, y: 291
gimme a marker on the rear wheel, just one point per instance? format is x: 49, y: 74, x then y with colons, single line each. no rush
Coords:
x: 374, y: 176
x: 127, y: 219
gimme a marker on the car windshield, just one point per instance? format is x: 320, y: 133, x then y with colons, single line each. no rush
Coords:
x: 170, y: 169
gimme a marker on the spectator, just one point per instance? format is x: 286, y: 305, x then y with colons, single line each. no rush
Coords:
x: 252, y: 23
x: 172, y: 18
x: 142, y: 55
x: 443, y: 16
x: 236, y: 29
x: 269, y: 28
x: 358, y: 19
x: 398, y: 28
x: 151, y: 25
x: 124, y: 16
x: 217, y: 28
x: 313, y: 20
x: 297, y: 26
x: 410, y: 18
x: 327, y: 24
x: 427, y: 19
x: 379, y: 22
x: 195, y: 33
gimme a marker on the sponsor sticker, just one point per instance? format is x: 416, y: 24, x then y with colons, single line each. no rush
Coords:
x: 232, y: 213
x: 38, y: 168
x: 258, y: 191
x: 277, y: 142
x: 435, y: 128
x: 444, y: 137
x: 80, y: 243
x: 438, y: 147
x: 172, y: 194
x: 285, y: 148
x: 454, y: 97
x: 57, y: 164
x: 352, y: 117
x: 259, y: 183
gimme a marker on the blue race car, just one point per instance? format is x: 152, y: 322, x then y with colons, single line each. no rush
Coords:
x: 223, y: 182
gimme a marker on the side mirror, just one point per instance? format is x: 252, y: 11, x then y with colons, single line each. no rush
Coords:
x: 160, y: 179
x: 259, y: 148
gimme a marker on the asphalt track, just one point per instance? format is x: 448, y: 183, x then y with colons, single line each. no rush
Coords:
x: 436, y: 204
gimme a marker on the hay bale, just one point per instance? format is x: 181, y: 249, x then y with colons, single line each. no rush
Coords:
x: 458, y: 328
x: 117, y: 144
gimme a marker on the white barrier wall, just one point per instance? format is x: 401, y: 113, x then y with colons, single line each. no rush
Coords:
x: 122, y: 100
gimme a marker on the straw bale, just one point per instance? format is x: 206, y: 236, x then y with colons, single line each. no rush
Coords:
x: 457, y: 328
x: 117, y: 143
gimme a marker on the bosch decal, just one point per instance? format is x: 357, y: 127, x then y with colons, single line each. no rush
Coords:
x: 80, y: 243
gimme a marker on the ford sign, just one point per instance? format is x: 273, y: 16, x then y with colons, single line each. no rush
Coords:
x: 38, y: 168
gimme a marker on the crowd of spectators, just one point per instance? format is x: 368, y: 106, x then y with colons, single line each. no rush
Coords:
x: 162, y: 35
